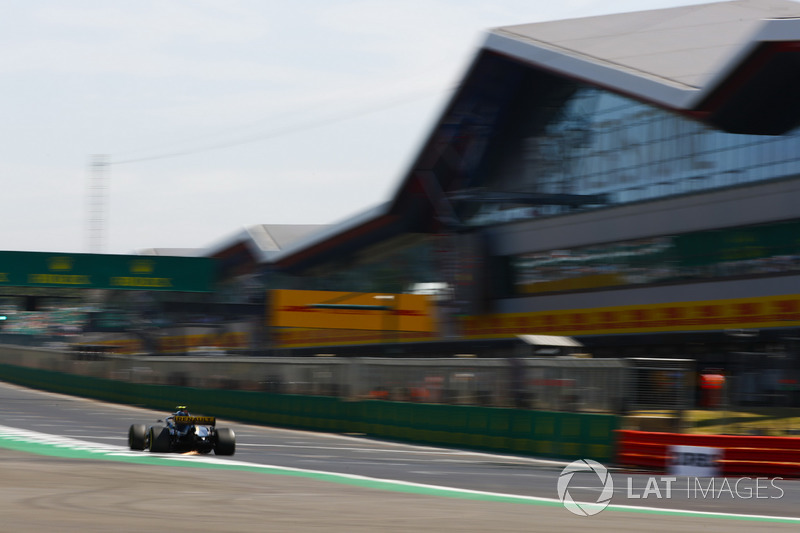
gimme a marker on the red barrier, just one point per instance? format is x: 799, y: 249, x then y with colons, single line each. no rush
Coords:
x: 742, y: 455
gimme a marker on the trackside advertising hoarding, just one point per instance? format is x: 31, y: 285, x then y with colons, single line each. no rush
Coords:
x: 102, y: 271
x: 706, y: 315
x: 353, y: 311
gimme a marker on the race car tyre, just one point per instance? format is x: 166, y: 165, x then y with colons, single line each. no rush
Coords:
x: 136, y: 436
x: 159, y: 439
x: 225, y: 442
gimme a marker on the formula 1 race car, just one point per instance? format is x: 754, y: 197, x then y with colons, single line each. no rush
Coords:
x: 183, y: 432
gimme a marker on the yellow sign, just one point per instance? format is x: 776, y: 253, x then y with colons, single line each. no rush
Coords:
x: 195, y: 420
x: 751, y: 313
x: 142, y: 266
x: 349, y: 310
x: 306, y: 338
x: 59, y: 279
x: 128, y: 281
x: 60, y: 263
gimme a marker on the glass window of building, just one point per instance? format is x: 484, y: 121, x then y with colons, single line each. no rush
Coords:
x: 576, y: 139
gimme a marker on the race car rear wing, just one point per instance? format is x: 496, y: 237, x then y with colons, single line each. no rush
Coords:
x: 196, y: 420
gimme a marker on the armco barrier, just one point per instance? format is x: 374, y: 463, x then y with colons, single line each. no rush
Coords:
x: 524, y: 432
x: 742, y: 455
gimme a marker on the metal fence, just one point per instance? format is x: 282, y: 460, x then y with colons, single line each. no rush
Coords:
x: 585, y: 385
x: 573, y: 384
x: 660, y: 384
x: 557, y: 384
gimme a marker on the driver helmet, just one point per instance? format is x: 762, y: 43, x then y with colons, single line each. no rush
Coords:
x: 180, y: 410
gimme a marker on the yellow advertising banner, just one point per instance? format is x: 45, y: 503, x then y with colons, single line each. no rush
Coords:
x: 314, y: 328
x: 351, y: 310
x: 305, y: 338
x: 750, y: 313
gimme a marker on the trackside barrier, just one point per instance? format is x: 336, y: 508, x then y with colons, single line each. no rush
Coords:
x: 517, y: 431
x: 742, y: 455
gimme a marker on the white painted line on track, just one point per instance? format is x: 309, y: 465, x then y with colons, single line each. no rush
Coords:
x: 377, y: 445
x: 121, y: 451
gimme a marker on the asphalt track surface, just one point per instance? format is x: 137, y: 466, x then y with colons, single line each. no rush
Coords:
x: 64, y: 466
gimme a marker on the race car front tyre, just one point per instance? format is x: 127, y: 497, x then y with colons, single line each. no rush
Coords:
x: 159, y: 439
x: 225, y: 442
x: 136, y: 436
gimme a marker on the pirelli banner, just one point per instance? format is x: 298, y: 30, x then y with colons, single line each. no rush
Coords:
x: 762, y: 312
x: 351, y: 311
x: 102, y: 271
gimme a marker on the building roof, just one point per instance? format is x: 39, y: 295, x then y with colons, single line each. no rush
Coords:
x: 327, y: 236
x: 695, y: 59
x: 241, y: 252
x: 265, y: 240
x: 172, y: 252
x: 734, y: 65
x: 276, y: 237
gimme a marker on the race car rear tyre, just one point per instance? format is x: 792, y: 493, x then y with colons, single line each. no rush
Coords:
x: 136, y: 436
x: 159, y: 439
x: 225, y: 442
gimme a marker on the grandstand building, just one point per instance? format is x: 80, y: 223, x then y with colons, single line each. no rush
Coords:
x: 629, y: 180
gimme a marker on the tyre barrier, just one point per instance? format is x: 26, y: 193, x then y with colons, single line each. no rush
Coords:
x: 742, y: 455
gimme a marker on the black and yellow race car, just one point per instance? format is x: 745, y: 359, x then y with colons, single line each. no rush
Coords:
x: 182, y: 432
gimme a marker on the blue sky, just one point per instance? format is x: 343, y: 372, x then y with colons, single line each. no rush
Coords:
x: 220, y: 114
